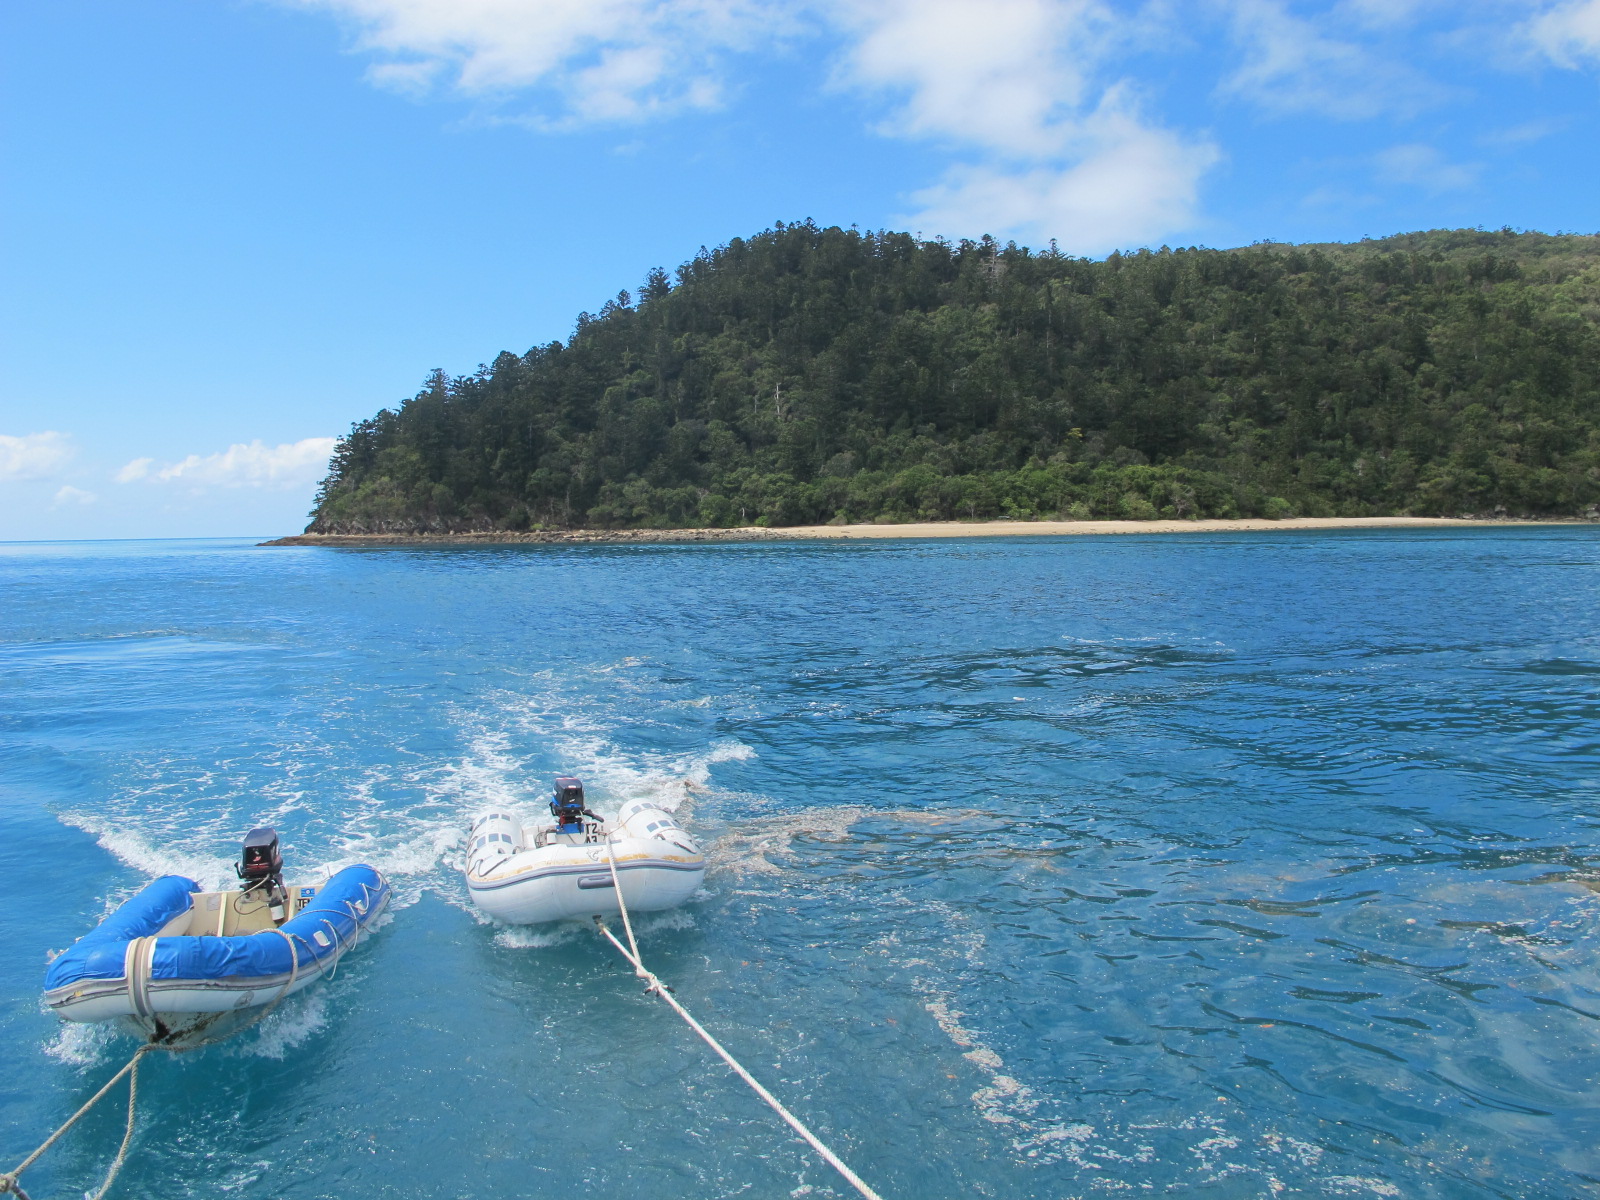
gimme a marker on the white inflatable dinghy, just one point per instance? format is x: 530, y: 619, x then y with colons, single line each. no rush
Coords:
x: 563, y: 866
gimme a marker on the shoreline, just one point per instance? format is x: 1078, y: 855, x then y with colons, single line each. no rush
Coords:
x: 929, y: 529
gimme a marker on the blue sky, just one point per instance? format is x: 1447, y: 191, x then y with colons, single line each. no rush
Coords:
x: 233, y: 227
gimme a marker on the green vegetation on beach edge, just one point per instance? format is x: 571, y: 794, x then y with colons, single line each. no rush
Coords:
x: 818, y: 375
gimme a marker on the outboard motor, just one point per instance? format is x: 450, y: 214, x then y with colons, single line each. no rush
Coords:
x: 567, y: 808
x: 261, y: 868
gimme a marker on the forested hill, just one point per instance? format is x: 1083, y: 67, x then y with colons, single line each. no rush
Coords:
x: 808, y: 375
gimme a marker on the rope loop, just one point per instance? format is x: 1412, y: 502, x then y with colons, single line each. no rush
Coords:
x: 9, y: 1184
x: 8, y: 1181
x: 127, y: 1136
x: 655, y: 987
x: 622, y: 908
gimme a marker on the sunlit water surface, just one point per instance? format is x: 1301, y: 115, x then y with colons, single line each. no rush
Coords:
x: 1240, y: 865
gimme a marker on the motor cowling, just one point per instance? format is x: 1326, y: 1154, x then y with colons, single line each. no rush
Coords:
x: 568, y: 806
x: 261, y: 867
x: 262, y: 860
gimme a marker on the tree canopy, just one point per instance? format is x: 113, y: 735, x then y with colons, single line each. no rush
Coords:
x: 808, y: 375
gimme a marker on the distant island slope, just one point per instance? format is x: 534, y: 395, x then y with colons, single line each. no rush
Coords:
x: 826, y: 377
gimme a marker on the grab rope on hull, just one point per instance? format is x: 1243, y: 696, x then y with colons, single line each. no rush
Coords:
x: 9, y: 1182
x: 657, y: 988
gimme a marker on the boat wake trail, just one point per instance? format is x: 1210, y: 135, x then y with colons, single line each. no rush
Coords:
x: 404, y: 808
x: 145, y: 852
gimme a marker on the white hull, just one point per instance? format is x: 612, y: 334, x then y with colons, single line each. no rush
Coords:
x: 529, y: 876
x: 104, y: 1000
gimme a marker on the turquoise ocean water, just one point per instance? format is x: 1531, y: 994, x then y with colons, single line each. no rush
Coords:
x: 1216, y: 865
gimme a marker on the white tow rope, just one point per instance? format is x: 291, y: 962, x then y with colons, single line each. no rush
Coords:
x: 627, y: 926
x: 657, y: 988
x: 9, y: 1181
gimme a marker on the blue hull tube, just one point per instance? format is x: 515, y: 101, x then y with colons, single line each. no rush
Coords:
x: 155, y: 964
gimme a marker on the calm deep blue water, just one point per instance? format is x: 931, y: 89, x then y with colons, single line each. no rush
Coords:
x: 1224, y: 865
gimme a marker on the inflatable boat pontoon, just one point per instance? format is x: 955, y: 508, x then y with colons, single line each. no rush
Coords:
x: 562, y: 867
x: 175, y: 959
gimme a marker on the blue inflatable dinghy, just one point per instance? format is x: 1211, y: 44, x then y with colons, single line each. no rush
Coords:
x: 174, y: 958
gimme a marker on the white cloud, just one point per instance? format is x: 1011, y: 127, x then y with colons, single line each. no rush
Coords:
x: 1044, y: 138
x: 1387, y: 14
x: 1131, y: 182
x: 1292, y: 66
x: 72, y: 495
x: 34, y: 455
x: 1018, y: 87
x: 1523, y: 134
x: 1568, y: 32
x: 1055, y: 149
x: 137, y: 469
x: 290, y: 465
x: 606, y: 60
x: 1003, y: 74
x: 1424, y: 167
x: 1333, y: 196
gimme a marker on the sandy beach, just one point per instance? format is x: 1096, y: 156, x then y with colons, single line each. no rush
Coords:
x: 931, y: 529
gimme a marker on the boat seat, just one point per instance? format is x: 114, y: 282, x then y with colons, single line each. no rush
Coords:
x: 221, y: 914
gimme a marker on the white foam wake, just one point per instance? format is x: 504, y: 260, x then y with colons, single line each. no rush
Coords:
x: 406, y: 815
x: 80, y: 1045
x: 144, y: 854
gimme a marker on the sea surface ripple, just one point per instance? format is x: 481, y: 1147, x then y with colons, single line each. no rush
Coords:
x: 1227, y: 865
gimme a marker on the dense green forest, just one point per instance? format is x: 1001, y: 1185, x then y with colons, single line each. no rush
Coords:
x: 809, y: 375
